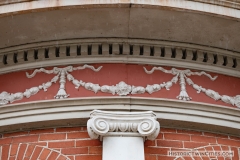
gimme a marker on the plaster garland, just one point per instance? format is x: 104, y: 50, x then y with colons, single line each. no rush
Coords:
x: 121, y: 88
x: 183, y: 93
x: 142, y: 124
x: 61, y: 73
x: 182, y: 74
x: 215, y: 95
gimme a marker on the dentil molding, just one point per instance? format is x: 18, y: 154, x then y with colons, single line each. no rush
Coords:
x: 121, y: 89
x: 131, y: 124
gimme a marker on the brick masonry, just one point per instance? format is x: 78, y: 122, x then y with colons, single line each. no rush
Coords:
x: 75, y: 144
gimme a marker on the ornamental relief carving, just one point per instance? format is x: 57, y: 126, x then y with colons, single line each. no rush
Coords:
x: 122, y: 88
x: 104, y: 123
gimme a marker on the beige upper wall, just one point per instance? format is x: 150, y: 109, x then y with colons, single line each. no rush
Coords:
x: 179, y: 20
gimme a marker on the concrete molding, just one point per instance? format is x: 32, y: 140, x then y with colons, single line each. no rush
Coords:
x: 125, y: 57
x: 170, y: 113
x: 120, y: 40
x: 122, y: 59
x: 219, y: 7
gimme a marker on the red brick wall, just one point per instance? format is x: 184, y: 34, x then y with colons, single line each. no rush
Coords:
x: 55, y: 143
x: 184, y: 140
x: 75, y: 144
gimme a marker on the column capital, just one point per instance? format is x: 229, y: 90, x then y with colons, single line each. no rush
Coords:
x: 122, y: 124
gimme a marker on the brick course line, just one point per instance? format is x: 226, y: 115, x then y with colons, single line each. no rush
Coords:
x: 5, y: 151
x: 49, y: 154
x: 45, y: 153
x: 52, y: 136
x: 32, y: 152
x: 40, y: 152
x: 196, y: 138
x: 42, y: 149
x: 37, y: 150
x: 58, y: 156
x: 177, y: 136
x: 25, y: 151
x: 229, y: 142
x: 22, y: 149
x: 10, y: 148
x: 52, y: 150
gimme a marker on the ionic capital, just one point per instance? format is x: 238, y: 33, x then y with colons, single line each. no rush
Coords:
x: 130, y: 124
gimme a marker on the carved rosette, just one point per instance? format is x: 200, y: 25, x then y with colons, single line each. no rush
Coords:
x: 123, y: 89
x: 136, y: 124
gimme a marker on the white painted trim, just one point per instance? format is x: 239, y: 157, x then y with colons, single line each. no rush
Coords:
x: 123, y: 148
x: 105, y: 123
x: 205, y: 8
x: 195, y: 114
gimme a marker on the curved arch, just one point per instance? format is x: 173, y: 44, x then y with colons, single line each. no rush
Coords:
x: 32, y: 151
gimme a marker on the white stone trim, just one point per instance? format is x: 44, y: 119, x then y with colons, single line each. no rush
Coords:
x: 206, y: 8
x: 171, y: 113
x: 123, y: 133
x: 139, y: 124
x: 225, y: 3
x: 123, y: 148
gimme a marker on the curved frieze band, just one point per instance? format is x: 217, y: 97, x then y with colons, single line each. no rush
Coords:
x: 121, y: 89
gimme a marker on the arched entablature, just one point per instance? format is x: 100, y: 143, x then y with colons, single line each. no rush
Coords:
x: 179, y: 59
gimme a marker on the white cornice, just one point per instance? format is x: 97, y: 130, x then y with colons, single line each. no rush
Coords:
x: 126, y: 57
x: 171, y: 113
x: 120, y: 40
x: 219, y: 7
x: 122, y: 59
